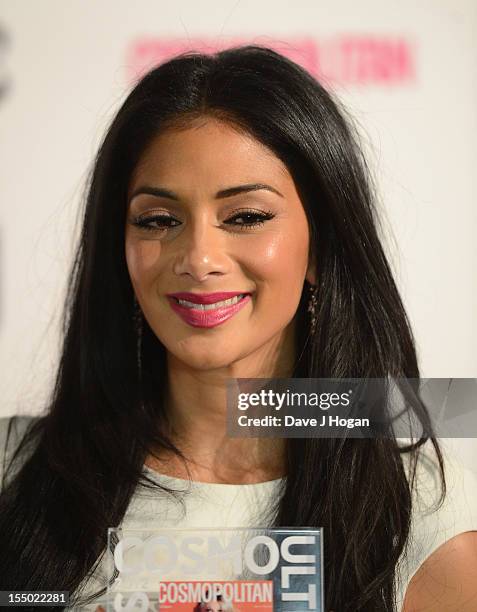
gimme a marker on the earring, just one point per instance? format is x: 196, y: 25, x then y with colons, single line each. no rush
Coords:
x: 137, y: 320
x: 312, y: 307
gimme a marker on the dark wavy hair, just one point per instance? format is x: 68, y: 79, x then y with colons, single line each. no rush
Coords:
x: 86, y: 454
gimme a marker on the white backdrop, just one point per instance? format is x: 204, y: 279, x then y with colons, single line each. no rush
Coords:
x: 405, y: 69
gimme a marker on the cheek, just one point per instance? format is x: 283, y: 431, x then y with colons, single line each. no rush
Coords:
x: 281, y: 260
x: 142, y: 257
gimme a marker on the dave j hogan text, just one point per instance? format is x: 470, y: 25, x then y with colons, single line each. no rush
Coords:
x: 298, y: 422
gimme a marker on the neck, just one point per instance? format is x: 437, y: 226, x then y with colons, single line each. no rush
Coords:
x: 196, y: 411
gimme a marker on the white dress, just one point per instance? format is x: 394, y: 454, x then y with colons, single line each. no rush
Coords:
x: 209, y: 505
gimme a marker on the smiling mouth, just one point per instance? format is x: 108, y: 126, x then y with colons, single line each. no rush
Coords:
x: 204, y: 307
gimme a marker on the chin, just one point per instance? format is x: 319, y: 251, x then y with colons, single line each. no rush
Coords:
x: 205, y: 363
x: 203, y: 355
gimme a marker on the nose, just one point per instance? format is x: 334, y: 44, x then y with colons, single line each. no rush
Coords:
x: 201, y: 250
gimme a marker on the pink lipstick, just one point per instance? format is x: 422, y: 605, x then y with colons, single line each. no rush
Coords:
x: 208, y: 309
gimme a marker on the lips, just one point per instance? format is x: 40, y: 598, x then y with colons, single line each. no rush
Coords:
x: 206, y: 298
x: 199, y: 317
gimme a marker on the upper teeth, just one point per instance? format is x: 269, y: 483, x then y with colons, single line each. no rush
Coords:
x: 229, y: 302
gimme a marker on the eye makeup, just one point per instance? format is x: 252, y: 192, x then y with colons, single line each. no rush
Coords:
x: 250, y: 218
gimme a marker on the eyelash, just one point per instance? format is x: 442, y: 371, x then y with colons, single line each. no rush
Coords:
x: 260, y: 218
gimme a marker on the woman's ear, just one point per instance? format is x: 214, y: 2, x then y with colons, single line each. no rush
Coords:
x: 311, y: 271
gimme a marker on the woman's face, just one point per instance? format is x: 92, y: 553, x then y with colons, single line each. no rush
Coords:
x: 191, y: 196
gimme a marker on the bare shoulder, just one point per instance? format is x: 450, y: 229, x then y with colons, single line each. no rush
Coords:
x: 447, y: 580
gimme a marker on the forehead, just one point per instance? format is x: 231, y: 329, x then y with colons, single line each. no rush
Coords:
x: 209, y: 150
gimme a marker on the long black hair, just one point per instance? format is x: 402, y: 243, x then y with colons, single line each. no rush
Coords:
x: 86, y: 454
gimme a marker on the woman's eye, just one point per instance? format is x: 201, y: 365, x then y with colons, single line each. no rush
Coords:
x: 242, y: 220
x: 156, y: 222
x: 250, y: 218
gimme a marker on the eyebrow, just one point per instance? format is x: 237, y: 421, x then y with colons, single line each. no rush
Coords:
x: 160, y: 192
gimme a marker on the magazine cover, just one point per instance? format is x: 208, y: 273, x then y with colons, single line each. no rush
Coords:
x: 222, y: 570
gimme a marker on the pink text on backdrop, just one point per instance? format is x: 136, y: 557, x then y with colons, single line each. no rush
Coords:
x: 342, y: 59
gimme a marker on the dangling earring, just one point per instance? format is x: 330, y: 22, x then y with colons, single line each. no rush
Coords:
x: 312, y: 307
x: 137, y: 318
